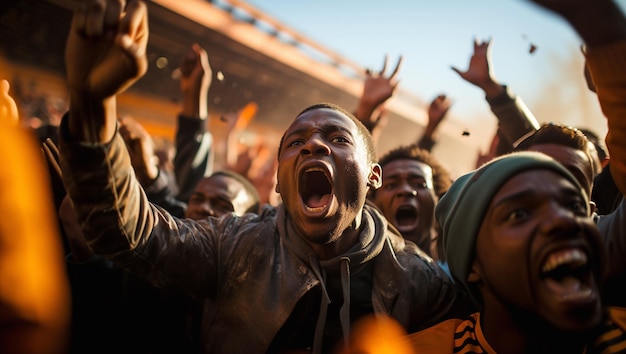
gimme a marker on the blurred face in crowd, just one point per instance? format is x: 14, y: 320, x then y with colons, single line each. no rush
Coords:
x: 407, y: 198
x: 575, y: 160
x: 538, y: 255
x: 323, y: 175
x: 218, y: 195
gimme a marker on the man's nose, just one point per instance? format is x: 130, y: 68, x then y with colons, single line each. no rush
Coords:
x: 315, y: 145
x: 407, y: 190
x: 206, y: 208
x: 559, y: 220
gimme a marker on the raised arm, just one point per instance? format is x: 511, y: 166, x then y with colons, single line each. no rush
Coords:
x: 194, y: 144
x: 437, y: 112
x: 515, y: 121
x: 602, y: 26
x: 159, y: 185
x: 115, y: 216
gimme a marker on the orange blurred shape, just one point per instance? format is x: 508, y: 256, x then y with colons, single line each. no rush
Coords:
x: 246, y: 114
x: 378, y: 334
x: 35, y: 305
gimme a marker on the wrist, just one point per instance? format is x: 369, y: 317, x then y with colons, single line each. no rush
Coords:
x: 92, y: 119
x: 194, y: 108
x: 146, y: 175
x: 492, y: 89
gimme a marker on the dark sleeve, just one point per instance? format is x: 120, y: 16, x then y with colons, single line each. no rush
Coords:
x: 194, y: 155
x: 160, y: 193
x: 605, y: 193
x: 515, y: 120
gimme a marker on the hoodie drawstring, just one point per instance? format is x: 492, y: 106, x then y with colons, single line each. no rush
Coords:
x: 344, y: 313
x: 321, y: 318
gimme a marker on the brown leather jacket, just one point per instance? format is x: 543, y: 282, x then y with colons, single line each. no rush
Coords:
x: 249, y: 271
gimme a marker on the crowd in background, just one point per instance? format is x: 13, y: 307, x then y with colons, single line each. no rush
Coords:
x: 114, y: 242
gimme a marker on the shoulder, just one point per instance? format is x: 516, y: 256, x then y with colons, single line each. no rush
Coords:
x: 451, y: 336
x: 436, y: 339
x: 611, y: 335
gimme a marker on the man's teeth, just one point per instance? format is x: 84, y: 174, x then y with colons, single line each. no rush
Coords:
x: 572, y: 256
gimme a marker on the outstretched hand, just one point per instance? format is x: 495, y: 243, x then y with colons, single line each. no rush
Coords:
x: 438, y: 109
x: 106, y: 48
x: 377, y: 89
x: 437, y: 112
x: 479, y: 71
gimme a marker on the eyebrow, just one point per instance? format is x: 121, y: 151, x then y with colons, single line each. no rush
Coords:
x: 514, y: 197
x: 529, y: 192
x: 326, y: 129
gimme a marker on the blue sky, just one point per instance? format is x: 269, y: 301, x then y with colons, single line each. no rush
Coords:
x: 432, y: 35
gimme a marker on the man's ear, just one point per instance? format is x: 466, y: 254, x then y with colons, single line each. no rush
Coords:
x: 276, y: 189
x: 475, y: 273
x: 592, y: 207
x: 375, y: 177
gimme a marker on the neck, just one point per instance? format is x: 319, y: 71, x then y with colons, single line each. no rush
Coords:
x: 338, y: 245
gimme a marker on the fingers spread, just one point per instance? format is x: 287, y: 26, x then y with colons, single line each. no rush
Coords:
x: 382, y: 71
x: 395, y: 71
x: 456, y: 70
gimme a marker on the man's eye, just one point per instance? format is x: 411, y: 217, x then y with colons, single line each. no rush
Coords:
x: 295, y: 143
x: 518, y: 214
x: 420, y: 185
x: 340, y: 139
x: 390, y: 186
x: 224, y: 207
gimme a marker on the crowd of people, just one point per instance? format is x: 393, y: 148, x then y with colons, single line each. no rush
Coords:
x: 326, y: 246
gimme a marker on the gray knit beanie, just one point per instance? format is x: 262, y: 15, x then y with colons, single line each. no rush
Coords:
x: 461, y: 210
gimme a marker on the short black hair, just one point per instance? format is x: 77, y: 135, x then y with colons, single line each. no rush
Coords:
x: 560, y: 134
x: 365, y: 134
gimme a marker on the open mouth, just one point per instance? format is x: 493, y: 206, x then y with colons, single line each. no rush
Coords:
x: 315, y: 189
x: 567, y: 273
x: 406, y: 217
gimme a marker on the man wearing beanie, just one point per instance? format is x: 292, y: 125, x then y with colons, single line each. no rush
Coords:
x: 518, y: 235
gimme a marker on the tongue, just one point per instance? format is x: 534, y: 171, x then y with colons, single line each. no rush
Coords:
x: 567, y: 285
x: 316, y: 201
x: 405, y: 221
